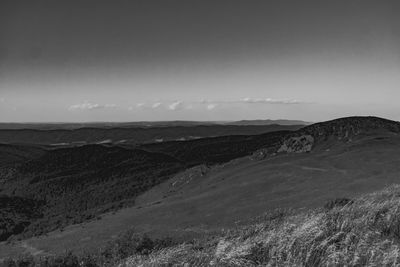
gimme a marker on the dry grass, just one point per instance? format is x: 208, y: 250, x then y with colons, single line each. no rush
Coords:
x: 363, y: 232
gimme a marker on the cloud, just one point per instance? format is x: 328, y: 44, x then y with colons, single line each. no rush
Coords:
x: 156, y: 105
x: 211, y: 106
x: 2, y: 100
x: 269, y: 101
x: 248, y: 100
x: 90, y: 106
x: 137, y: 106
x: 176, y: 105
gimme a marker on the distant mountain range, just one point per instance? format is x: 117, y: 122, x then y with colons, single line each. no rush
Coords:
x: 268, y: 122
x: 131, y: 135
x: 145, y: 124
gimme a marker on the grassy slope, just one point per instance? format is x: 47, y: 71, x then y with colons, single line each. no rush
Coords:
x: 365, y: 232
x: 360, y: 232
x: 194, y: 204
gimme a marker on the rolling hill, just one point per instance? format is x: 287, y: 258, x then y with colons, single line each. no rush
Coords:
x: 221, y: 182
x: 130, y: 135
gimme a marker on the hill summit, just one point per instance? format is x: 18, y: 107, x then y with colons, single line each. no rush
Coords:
x: 343, y: 129
x: 346, y: 128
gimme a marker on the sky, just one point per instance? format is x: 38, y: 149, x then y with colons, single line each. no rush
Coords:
x: 135, y: 60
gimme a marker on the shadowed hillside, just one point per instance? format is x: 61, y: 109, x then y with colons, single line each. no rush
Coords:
x: 13, y: 154
x: 76, y: 184
x: 79, y: 183
x: 218, y: 149
x: 16, y: 214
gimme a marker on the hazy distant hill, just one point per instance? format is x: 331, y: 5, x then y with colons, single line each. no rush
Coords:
x: 100, y: 125
x: 132, y: 135
x: 268, y: 122
x: 145, y: 124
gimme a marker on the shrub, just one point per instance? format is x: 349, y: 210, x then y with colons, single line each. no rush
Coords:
x: 259, y: 254
x: 338, y: 202
x: 128, y: 244
x: 22, y: 261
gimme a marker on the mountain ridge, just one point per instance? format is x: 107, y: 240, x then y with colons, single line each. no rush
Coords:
x: 341, y: 129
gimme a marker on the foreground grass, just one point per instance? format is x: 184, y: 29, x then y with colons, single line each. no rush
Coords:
x: 362, y: 232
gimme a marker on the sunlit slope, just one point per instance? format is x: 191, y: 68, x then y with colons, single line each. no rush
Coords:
x: 247, y: 187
